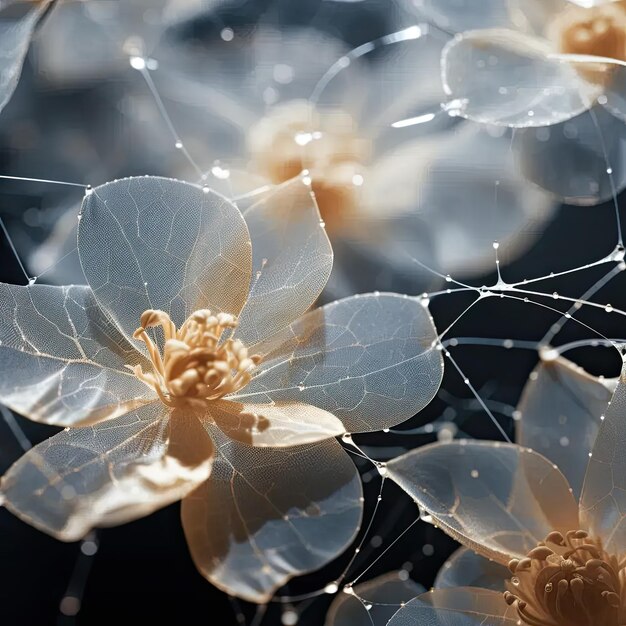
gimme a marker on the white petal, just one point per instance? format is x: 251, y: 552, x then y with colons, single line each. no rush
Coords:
x: 279, y: 425
x: 498, y: 499
x: 268, y: 515
x: 62, y: 362
x: 369, y: 360
x: 602, y: 500
x: 505, y: 78
x: 157, y: 243
x: 560, y: 412
x: 109, y: 474
x: 291, y: 260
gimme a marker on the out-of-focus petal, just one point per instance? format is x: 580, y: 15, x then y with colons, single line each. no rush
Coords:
x: 86, y: 41
x: 505, y: 78
x: 465, y: 185
x: 581, y: 161
x: 291, y: 260
x: 268, y: 515
x: 465, y: 568
x: 460, y: 15
x: 405, y: 82
x: 18, y: 20
x: 277, y: 425
x: 602, y: 508
x: 216, y: 92
x: 373, y: 602
x: 62, y: 362
x: 109, y: 474
x: 560, y: 411
x: 370, y: 360
x: 465, y: 606
x: 157, y: 243
x: 498, y: 499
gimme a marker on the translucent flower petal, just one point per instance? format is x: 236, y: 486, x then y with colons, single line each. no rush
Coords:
x: 460, y: 15
x: 498, y: 499
x: 560, y: 411
x: 466, y: 606
x: 291, y: 263
x: 590, y: 151
x: 109, y: 474
x: 18, y: 20
x: 466, y: 187
x: 268, y: 515
x: 465, y: 568
x: 62, y: 362
x: 88, y: 41
x: 370, y: 360
x: 373, y: 602
x: 404, y: 81
x: 157, y: 243
x: 274, y: 425
x: 505, y: 78
x: 602, y: 500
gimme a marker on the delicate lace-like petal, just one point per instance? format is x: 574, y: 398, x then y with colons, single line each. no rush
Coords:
x: 560, y: 411
x: 602, y: 506
x: 500, y: 500
x: 505, y: 78
x: 466, y: 187
x: 109, y: 474
x: 292, y: 260
x: 18, y: 20
x: 268, y: 515
x: 61, y: 360
x: 465, y: 606
x: 373, y: 602
x: 584, y: 148
x: 274, y: 425
x: 157, y: 243
x: 370, y: 360
x: 465, y: 568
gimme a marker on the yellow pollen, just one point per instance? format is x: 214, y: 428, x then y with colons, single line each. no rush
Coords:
x: 197, y: 363
x: 294, y: 136
x: 597, y: 31
x: 568, y: 580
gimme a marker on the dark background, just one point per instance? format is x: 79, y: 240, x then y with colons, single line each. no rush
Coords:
x: 142, y: 572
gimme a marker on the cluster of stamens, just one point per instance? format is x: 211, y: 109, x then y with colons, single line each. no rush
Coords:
x: 198, y: 363
x: 568, y: 581
x: 294, y: 136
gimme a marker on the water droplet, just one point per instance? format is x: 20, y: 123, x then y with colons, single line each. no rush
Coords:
x: 227, y: 34
x: 179, y: 144
x: 548, y: 588
x: 515, y: 581
x: 474, y: 473
x: 608, y: 308
x: 382, y: 468
x: 331, y: 588
x: 138, y: 63
x: 347, y: 437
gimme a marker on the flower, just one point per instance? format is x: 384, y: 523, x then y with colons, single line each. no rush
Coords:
x: 189, y: 368
x: 555, y: 72
x: 562, y: 541
x: 438, y: 193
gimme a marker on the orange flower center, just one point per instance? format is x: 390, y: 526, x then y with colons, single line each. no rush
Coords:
x: 597, y: 31
x: 568, y: 581
x: 198, y: 364
x: 294, y: 136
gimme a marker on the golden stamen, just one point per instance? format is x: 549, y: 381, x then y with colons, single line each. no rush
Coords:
x: 197, y: 364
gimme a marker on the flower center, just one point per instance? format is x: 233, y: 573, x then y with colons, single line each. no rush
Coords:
x: 568, y: 581
x: 295, y: 136
x: 197, y: 364
x: 597, y: 31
